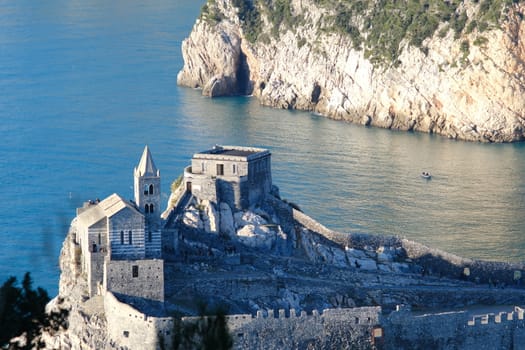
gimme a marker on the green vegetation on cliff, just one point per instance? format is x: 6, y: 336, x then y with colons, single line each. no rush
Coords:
x: 378, y: 27
x: 22, y: 312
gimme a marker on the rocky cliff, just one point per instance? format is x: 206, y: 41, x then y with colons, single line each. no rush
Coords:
x: 458, y: 73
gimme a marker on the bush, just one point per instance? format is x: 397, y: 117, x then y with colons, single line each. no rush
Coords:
x: 385, y: 23
x: 22, y: 310
x: 480, y: 41
x: 250, y: 19
x: 175, y: 184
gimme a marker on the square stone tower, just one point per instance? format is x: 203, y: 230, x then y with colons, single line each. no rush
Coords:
x: 239, y: 176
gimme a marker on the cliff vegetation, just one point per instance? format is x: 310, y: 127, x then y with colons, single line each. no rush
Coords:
x: 454, y: 68
x: 380, y: 28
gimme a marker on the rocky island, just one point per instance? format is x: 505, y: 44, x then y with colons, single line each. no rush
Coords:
x: 132, y: 274
x: 445, y: 67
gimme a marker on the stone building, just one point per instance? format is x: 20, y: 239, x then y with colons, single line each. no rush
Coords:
x: 120, y: 240
x: 239, y: 176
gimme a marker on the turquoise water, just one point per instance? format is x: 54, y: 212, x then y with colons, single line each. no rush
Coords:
x: 85, y: 85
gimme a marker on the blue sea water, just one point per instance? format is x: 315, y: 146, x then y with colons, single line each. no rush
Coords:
x: 84, y: 85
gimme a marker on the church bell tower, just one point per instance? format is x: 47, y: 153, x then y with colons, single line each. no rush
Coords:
x: 147, y: 189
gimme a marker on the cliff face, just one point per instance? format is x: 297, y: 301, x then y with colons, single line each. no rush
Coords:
x: 458, y: 86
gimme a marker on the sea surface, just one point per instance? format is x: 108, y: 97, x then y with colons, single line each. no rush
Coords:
x: 84, y: 85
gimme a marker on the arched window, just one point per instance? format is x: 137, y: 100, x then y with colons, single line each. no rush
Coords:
x: 150, y: 189
x: 121, y: 237
x: 151, y: 208
x: 146, y: 189
x: 130, y: 239
x: 146, y: 208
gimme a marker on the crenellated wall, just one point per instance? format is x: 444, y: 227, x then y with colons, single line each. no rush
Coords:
x: 454, y: 330
x: 132, y: 329
x: 287, y: 329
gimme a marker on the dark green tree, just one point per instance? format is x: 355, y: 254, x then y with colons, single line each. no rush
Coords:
x: 22, y: 311
x: 205, y: 333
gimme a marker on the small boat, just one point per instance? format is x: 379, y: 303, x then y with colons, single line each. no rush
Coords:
x: 426, y: 175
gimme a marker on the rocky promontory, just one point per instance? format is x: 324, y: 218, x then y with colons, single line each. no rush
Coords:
x: 277, y: 258
x: 454, y: 69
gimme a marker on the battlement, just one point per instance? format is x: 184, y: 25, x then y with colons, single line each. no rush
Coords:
x: 133, y: 329
x: 498, y: 318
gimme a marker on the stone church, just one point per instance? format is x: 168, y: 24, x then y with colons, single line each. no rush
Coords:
x: 121, y: 243
x: 120, y: 240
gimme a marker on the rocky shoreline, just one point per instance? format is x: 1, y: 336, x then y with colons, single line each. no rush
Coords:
x: 474, y: 96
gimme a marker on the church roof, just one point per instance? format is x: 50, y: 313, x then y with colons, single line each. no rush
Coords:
x: 104, y: 209
x: 146, y: 165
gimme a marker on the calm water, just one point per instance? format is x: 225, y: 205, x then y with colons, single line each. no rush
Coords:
x: 84, y: 85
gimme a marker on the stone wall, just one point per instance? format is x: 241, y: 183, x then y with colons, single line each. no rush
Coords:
x: 153, y: 242
x: 131, y: 329
x: 138, y: 278
x: 286, y: 329
x: 240, y: 181
x: 259, y: 180
x: 202, y: 186
x: 95, y: 272
x: 454, y: 330
x: 435, y: 262
x: 124, y: 222
x: 230, y: 190
x: 232, y: 166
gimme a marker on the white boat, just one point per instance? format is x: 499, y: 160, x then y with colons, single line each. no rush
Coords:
x: 426, y: 175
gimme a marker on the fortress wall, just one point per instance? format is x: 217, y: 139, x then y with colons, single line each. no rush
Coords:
x: 241, y: 288
x: 132, y: 329
x: 434, y: 260
x: 312, y: 225
x: 449, y: 264
x: 148, y: 283
x: 285, y: 213
x: 454, y: 330
x: 287, y: 329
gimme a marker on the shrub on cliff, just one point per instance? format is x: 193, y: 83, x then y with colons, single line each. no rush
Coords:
x: 203, y: 333
x: 22, y: 312
x: 380, y: 26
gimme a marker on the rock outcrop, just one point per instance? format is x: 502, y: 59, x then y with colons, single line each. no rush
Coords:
x: 462, y: 87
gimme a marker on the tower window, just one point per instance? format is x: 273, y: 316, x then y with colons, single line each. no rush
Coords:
x: 151, y: 208
x: 220, y: 169
x: 121, y: 237
x: 146, y: 190
x: 130, y: 239
x: 135, y: 271
x: 146, y: 208
x: 150, y: 189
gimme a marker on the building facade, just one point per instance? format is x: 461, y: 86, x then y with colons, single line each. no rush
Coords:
x: 239, y: 176
x: 120, y: 241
